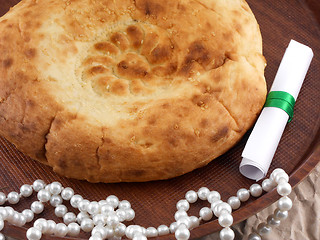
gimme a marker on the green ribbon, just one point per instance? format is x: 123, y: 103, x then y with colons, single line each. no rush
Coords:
x: 282, y: 100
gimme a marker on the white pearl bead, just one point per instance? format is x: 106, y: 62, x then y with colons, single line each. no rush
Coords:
x: 37, y: 207
x: 275, y: 172
x: 220, y: 207
x: 130, y: 214
x: 143, y: 230
x: 3, y: 198
x: 153, y: 232
x: 120, y: 230
x: 143, y: 233
x: 133, y: 229
x: 121, y: 213
x: 73, y: 229
x: 15, y: 218
x: 99, y: 219
x: 206, y: 213
x: 43, y: 195
x: 41, y: 224
x: 180, y: 214
x: 3, y: 213
x: 284, y: 204
x: 87, y: 225
x: 69, y: 217
x: 102, y: 202
x: 225, y: 220
x: 67, y: 193
x: 55, y: 200
x: 22, y: 220
x: 106, y: 209
x: 254, y: 236
x: 191, y: 196
x: 182, y: 233
x: 213, y: 196
x: 226, y: 234
x: 163, y: 230
x: 173, y: 227
x: 10, y: 213
x: 28, y: 214
x: 97, y: 236
x: 113, y: 201
x: 140, y: 230
x: 234, y: 202
x: 267, y: 185
x: 55, y: 188
x: 47, y: 187
x: 264, y: 229
x: 278, y: 214
x: 83, y: 205
x: 256, y: 190
x: 26, y: 190
x: 13, y: 197
x: 243, y: 194
x: 51, y: 227
x: 284, y: 189
x: 124, y: 204
x: 38, y: 185
x: 184, y: 220
x: 215, y: 203
x: 81, y: 216
x: 1, y: 224
x: 194, y: 222
x: 60, y: 210
x: 100, y: 230
x: 272, y: 221
x: 74, y: 201
x: 183, y: 205
x: 109, y: 232
x: 139, y: 236
x: 281, y: 177
x: 2, y: 237
x: 203, y: 193
x: 113, y: 220
x: 93, y: 208
x: 61, y: 230
x: 34, y: 234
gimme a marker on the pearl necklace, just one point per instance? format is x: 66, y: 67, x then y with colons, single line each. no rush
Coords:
x: 104, y: 219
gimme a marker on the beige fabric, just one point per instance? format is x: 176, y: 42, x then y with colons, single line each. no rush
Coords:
x: 303, y: 222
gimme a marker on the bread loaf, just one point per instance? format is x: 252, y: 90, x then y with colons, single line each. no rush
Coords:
x: 129, y: 90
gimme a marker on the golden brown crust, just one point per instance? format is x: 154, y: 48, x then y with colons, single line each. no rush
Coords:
x: 129, y: 90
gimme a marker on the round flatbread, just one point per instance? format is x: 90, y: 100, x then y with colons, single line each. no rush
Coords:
x: 129, y: 90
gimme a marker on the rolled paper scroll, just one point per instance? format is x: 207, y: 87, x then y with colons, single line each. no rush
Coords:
x: 278, y: 110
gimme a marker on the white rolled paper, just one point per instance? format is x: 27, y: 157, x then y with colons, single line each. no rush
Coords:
x: 264, y: 139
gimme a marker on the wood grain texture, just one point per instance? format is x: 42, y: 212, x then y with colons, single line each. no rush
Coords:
x: 154, y: 202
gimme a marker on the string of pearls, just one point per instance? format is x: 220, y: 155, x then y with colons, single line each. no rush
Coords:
x: 105, y: 219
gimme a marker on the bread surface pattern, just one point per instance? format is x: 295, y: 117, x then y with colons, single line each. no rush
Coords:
x: 129, y: 90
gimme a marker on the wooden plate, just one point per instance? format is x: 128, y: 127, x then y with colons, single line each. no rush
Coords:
x: 154, y: 202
